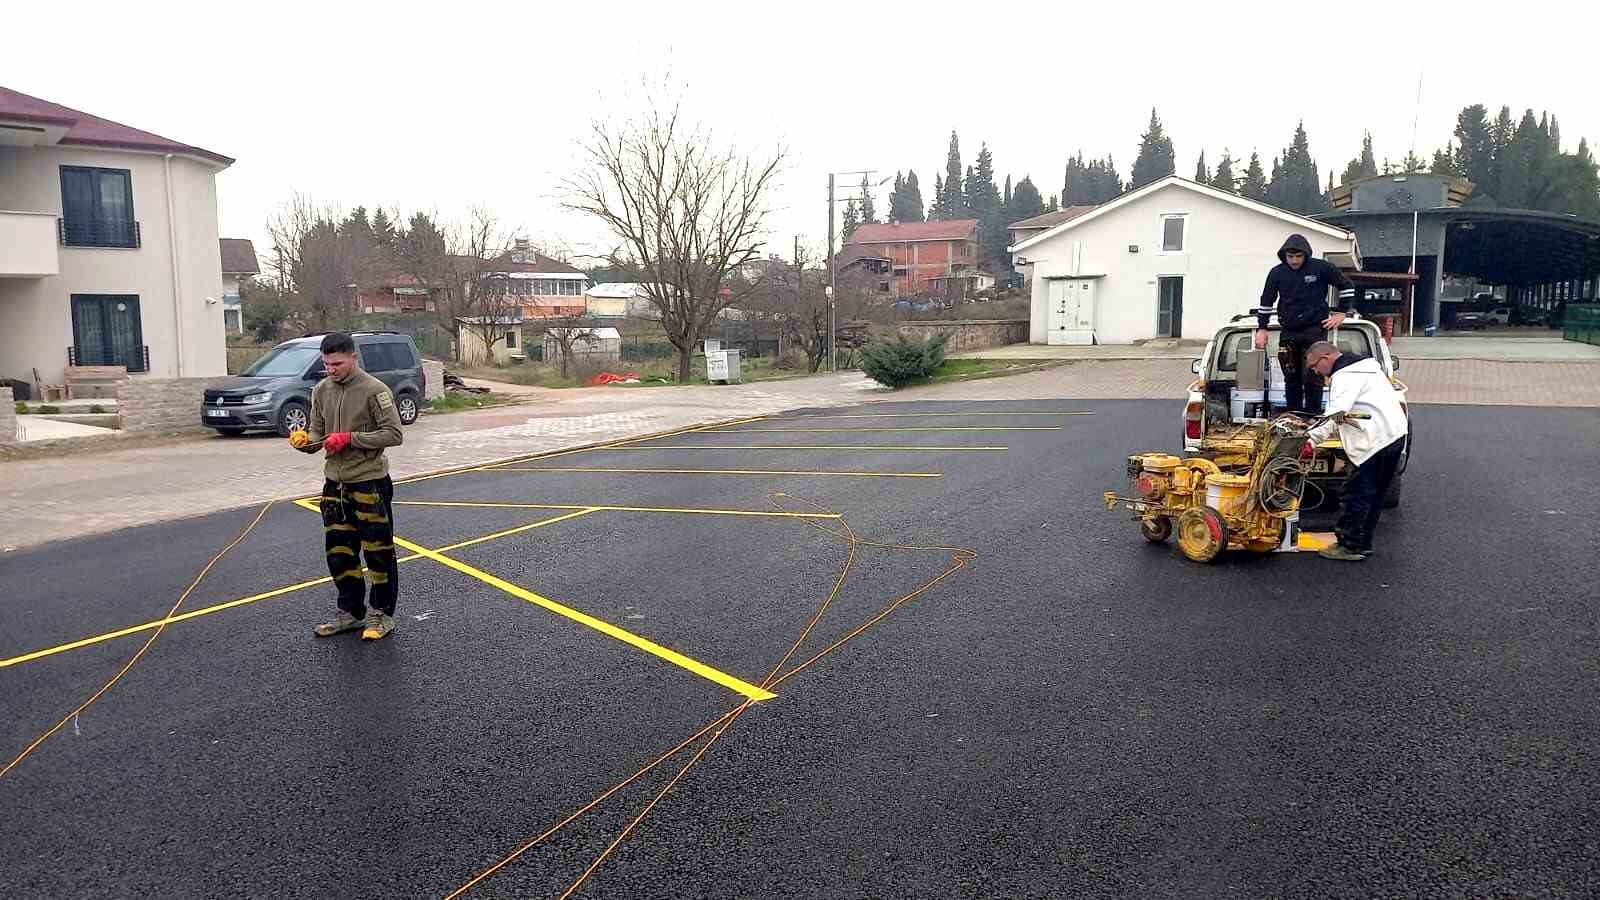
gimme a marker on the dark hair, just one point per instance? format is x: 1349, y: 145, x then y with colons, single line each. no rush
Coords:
x: 338, y: 342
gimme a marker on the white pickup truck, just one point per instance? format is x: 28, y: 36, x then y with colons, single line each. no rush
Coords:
x: 1216, y: 405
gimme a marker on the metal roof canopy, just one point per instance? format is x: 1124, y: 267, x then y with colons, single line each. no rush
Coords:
x: 1509, y: 246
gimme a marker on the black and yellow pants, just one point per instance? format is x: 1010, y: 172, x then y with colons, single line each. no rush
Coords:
x: 357, y: 521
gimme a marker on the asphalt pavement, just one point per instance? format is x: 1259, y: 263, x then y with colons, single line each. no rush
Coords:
x: 1007, y: 694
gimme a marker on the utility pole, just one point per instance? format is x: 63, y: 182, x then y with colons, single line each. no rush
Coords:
x: 833, y: 284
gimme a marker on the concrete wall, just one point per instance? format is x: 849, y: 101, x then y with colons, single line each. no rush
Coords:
x: 28, y: 245
x: 8, y: 415
x: 970, y: 334
x: 36, y: 313
x: 433, y: 372
x: 1228, y: 250
x: 161, y: 404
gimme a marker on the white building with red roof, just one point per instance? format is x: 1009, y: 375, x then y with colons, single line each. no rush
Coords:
x: 109, y: 252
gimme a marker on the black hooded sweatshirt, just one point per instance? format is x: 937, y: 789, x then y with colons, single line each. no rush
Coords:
x: 1301, y: 294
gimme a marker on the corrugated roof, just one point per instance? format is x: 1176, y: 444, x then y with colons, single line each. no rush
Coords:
x: 945, y: 230
x: 239, y: 257
x: 88, y: 130
x: 1052, y: 219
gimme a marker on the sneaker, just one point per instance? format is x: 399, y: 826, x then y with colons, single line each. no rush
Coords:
x: 341, y: 623
x: 378, y: 625
x: 1341, y: 552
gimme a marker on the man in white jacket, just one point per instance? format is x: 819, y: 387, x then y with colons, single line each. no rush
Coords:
x: 1373, y: 445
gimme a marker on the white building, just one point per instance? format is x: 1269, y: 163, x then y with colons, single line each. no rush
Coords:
x: 239, y: 264
x: 1172, y: 259
x: 616, y: 299
x: 108, y: 247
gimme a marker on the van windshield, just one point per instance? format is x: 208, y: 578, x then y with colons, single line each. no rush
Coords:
x: 289, y: 359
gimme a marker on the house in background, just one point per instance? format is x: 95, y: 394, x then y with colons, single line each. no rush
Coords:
x: 394, y: 292
x: 543, y: 286
x: 1037, y: 225
x: 919, y: 252
x: 621, y: 299
x: 1173, y: 259
x: 108, y: 247
x: 239, y: 264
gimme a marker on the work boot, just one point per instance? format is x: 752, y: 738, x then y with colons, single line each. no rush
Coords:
x: 378, y: 625
x: 340, y: 624
x: 1341, y: 552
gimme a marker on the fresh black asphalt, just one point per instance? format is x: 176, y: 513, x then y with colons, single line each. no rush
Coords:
x: 1076, y: 713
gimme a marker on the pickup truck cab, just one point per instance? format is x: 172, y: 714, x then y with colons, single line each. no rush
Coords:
x: 1216, y: 407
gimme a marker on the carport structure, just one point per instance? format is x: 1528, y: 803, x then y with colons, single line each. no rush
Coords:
x: 1545, y: 259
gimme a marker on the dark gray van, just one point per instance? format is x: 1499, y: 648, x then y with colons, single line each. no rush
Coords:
x: 274, y: 393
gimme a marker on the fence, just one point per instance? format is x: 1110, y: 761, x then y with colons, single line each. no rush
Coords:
x: 1582, y: 323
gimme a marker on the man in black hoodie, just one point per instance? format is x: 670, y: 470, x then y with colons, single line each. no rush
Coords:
x: 1299, y: 286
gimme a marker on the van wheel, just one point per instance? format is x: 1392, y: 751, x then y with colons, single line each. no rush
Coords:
x: 293, y: 416
x: 406, y: 405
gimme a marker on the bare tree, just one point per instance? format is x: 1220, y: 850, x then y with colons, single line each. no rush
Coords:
x: 795, y: 298
x: 458, y: 266
x: 318, y: 264
x: 687, y: 213
x: 568, y: 333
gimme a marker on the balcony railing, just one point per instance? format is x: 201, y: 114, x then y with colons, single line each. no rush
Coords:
x: 136, y: 360
x: 91, y: 233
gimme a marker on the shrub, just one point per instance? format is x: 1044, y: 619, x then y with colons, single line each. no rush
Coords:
x: 47, y: 409
x: 96, y: 409
x: 22, y: 408
x: 902, y: 361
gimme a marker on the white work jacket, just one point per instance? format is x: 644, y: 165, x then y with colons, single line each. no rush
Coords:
x: 1362, y: 386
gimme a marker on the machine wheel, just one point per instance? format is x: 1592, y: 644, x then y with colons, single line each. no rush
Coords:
x: 1202, y: 534
x: 1391, y: 499
x: 1156, y: 530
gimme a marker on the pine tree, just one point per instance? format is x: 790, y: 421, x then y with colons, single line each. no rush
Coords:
x: 1026, y: 202
x: 1364, y: 166
x: 852, y: 220
x: 1054, y: 204
x: 1005, y: 201
x: 1295, y: 185
x: 1476, y: 143
x: 954, y: 202
x: 1224, y: 178
x: 1201, y: 173
x: 382, y: 228
x: 1254, y: 185
x: 357, y: 225
x: 869, y: 213
x: 937, y: 211
x: 1445, y: 162
x: 1500, y: 135
x: 912, y: 205
x: 1156, y: 159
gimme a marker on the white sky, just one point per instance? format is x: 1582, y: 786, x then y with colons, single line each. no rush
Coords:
x: 468, y: 103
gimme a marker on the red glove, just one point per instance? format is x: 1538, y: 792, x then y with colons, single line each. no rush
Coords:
x: 336, y: 442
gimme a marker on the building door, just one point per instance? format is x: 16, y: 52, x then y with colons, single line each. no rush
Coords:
x: 106, y: 331
x: 1169, y: 308
x: 1070, y: 317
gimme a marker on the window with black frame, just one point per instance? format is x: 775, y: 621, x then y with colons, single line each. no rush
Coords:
x: 106, y: 331
x: 97, y: 208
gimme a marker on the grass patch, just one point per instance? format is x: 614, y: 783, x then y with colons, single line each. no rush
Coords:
x: 456, y: 402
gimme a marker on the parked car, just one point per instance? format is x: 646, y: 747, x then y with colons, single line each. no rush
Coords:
x: 1214, y: 404
x: 1471, y: 320
x: 274, y: 393
x: 1500, y: 315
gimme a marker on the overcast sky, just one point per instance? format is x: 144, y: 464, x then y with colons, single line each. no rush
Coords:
x: 468, y: 103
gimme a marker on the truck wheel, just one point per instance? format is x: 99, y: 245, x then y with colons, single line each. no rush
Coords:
x: 1156, y: 530
x: 1202, y: 534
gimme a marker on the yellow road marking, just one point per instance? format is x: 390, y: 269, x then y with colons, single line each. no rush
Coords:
x: 926, y: 415
x: 864, y: 430
x: 600, y: 625
x: 725, y: 472
x: 810, y: 447
x: 277, y: 592
x: 475, y: 504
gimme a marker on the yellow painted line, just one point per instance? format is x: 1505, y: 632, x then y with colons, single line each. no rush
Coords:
x: 971, y: 447
x: 726, y: 472
x: 866, y: 430
x: 600, y: 625
x: 475, y: 504
x: 277, y: 592
x: 928, y: 415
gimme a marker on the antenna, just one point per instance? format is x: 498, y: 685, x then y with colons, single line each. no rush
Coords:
x: 1415, y: 115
